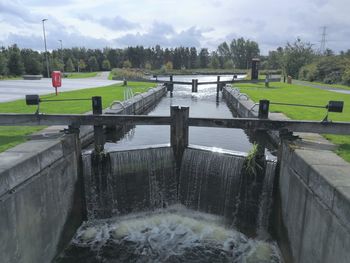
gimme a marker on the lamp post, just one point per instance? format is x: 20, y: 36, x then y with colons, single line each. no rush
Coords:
x: 62, y: 56
x: 46, y: 58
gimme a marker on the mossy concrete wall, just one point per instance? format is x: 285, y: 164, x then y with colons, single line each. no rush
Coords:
x: 313, y: 193
x: 41, y: 189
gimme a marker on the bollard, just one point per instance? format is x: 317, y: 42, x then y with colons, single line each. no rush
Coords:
x: 194, y: 85
x: 255, y: 68
x: 267, y: 81
x: 125, y: 82
x: 179, y: 131
x: 171, y: 84
x: 98, y: 129
x: 264, y: 109
x: 218, y: 88
x: 289, y: 80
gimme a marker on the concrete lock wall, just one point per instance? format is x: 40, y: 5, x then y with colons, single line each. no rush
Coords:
x: 41, y: 203
x: 313, y: 192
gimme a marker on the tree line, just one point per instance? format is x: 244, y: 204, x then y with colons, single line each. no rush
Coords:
x: 237, y: 54
x: 297, y: 59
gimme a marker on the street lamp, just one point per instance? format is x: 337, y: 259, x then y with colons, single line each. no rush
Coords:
x: 46, y: 58
x: 62, y: 56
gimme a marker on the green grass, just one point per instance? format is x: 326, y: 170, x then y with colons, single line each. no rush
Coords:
x: 11, y: 136
x: 10, y: 77
x: 81, y: 75
x: 282, y: 92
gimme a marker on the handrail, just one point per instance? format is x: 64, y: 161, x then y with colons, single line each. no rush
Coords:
x: 110, y: 120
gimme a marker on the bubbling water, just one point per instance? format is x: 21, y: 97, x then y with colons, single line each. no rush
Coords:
x: 175, y: 234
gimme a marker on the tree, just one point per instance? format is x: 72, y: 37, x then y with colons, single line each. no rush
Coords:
x: 15, y: 64
x: 193, y: 57
x: 127, y: 64
x: 240, y: 52
x: 3, y: 65
x: 81, y: 65
x: 106, y: 65
x: 295, y: 56
x: 204, y: 58
x: 214, y: 60
x: 70, y: 65
x: 92, y: 63
x: 56, y: 64
x: 168, y: 66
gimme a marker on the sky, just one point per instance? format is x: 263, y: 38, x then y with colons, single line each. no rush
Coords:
x: 171, y: 23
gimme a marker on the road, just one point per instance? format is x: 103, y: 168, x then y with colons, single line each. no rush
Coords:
x: 17, y: 89
x: 320, y: 86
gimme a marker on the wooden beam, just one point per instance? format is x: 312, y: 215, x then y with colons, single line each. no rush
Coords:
x: 239, y: 123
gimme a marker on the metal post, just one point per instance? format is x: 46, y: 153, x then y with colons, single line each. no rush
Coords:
x: 179, y: 131
x: 264, y: 109
x: 98, y: 129
x: 47, y: 60
x: 196, y: 86
x: 62, y: 58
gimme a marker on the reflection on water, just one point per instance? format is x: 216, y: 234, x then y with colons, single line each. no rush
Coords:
x: 175, y: 234
x: 202, y: 104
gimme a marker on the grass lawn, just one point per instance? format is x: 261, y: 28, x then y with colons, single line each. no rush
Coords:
x: 282, y: 92
x: 11, y: 136
x: 10, y: 77
x: 81, y: 75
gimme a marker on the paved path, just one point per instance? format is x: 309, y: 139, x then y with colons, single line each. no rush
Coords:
x: 320, y: 86
x: 17, y: 89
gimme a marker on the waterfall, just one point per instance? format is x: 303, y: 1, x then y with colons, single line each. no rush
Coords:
x: 266, y: 200
x: 123, y: 182
x: 218, y: 183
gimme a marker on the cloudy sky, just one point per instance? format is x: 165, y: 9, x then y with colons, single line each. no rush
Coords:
x: 170, y: 23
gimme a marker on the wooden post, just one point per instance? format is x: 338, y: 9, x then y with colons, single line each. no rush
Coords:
x: 98, y: 129
x: 171, y: 85
x: 263, y: 114
x: 179, y: 131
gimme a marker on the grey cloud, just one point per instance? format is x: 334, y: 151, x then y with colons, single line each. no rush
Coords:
x: 116, y: 23
x: 164, y: 35
x: 55, y: 31
x: 13, y: 11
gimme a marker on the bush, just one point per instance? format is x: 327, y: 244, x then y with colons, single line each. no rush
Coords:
x: 346, y: 76
x: 332, y: 78
x: 308, y: 72
x: 128, y: 74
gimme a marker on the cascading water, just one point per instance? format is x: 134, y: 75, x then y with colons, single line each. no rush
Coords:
x: 136, y: 180
x: 169, y: 235
x: 219, y: 183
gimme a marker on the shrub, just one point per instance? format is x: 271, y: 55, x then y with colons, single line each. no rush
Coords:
x: 346, y: 76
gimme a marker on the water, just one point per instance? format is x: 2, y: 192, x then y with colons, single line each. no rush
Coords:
x: 175, y: 234
x: 202, y: 104
x: 127, y: 181
x: 219, y: 183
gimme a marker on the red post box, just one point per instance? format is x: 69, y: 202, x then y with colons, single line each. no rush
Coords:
x: 56, y: 80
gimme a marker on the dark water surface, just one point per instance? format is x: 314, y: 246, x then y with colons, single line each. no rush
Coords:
x: 202, y: 104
